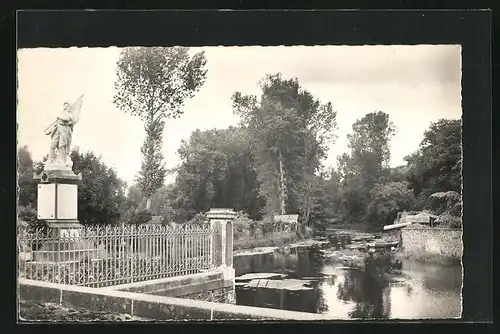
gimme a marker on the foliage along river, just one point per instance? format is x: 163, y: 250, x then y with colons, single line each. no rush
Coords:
x: 412, y: 291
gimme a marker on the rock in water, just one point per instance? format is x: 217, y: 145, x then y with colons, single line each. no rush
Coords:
x: 343, y: 268
x: 254, y: 276
x: 256, y: 251
x: 286, y: 284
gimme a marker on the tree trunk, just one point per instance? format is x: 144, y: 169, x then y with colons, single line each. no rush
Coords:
x: 309, y: 204
x: 282, y: 184
x: 148, y: 203
x: 306, y: 198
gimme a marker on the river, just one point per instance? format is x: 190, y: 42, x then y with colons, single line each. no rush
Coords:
x: 412, y: 291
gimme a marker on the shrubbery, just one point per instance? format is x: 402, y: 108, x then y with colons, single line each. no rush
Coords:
x: 199, y: 220
x: 242, y: 225
x: 28, y: 214
x: 448, y: 220
x: 141, y: 217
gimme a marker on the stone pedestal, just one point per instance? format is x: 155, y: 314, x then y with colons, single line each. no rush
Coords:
x: 57, y: 188
x: 222, y: 221
x: 58, y: 197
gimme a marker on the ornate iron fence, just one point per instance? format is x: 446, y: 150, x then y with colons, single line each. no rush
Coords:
x: 99, y: 256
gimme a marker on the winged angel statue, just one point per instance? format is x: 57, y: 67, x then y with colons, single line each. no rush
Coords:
x: 61, y: 133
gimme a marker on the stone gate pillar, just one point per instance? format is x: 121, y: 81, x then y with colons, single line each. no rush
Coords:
x: 221, y: 220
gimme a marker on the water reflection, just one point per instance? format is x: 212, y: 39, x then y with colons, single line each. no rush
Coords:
x: 414, y: 291
x: 368, y: 291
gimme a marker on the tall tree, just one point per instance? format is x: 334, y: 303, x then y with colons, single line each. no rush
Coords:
x: 370, y: 146
x: 290, y: 132
x: 386, y: 200
x: 101, y: 193
x: 216, y: 170
x: 153, y: 171
x: 367, y: 163
x: 153, y: 83
x: 437, y: 164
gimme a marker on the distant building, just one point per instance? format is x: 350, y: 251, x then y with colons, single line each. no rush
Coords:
x: 423, y: 218
x: 289, y: 222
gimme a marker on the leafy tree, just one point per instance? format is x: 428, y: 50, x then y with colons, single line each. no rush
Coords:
x: 437, y: 165
x: 367, y: 164
x: 101, y: 193
x: 325, y: 199
x: 140, y: 217
x: 448, y: 201
x: 386, y: 200
x: 216, y: 171
x: 153, y: 83
x: 290, y: 132
x: 153, y: 171
x: 135, y: 198
x: 355, y: 199
x: 159, y: 200
x: 397, y: 174
x: 369, y: 144
x: 26, y: 185
x: 26, y: 188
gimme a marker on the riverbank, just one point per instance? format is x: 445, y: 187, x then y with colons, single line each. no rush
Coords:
x: 279, y: 240
x: 283, y: 248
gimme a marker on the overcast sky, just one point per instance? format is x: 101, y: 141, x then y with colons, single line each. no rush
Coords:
x: 415, y: 85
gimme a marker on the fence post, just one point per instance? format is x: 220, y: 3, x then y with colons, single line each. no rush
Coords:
x: 221, y: 220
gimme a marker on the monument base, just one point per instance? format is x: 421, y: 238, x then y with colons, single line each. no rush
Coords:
x: 64, y: 224
x: 57, y: 201
x: 53, y: 175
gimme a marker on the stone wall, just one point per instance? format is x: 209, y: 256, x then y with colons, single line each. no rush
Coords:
x: 226, y: 295
x: 419, y: 241
x: 209, y: 286
x: 149, y: 306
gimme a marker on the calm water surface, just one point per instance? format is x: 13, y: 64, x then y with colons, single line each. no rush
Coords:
x: 415, y: 291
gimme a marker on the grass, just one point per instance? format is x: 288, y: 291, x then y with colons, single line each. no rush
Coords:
x: 265, y: 241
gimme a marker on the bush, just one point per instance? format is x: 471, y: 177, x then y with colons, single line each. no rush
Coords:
x: 447, y: 220
x: 199, y: 220
x: 141, y: 217
x: 29, y: 215
x: 267, y: 226
x: 443, y: 202
x: 386, y: 201
x: 254, y: 228
x: 242, y: 225
x: 299, y: 234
